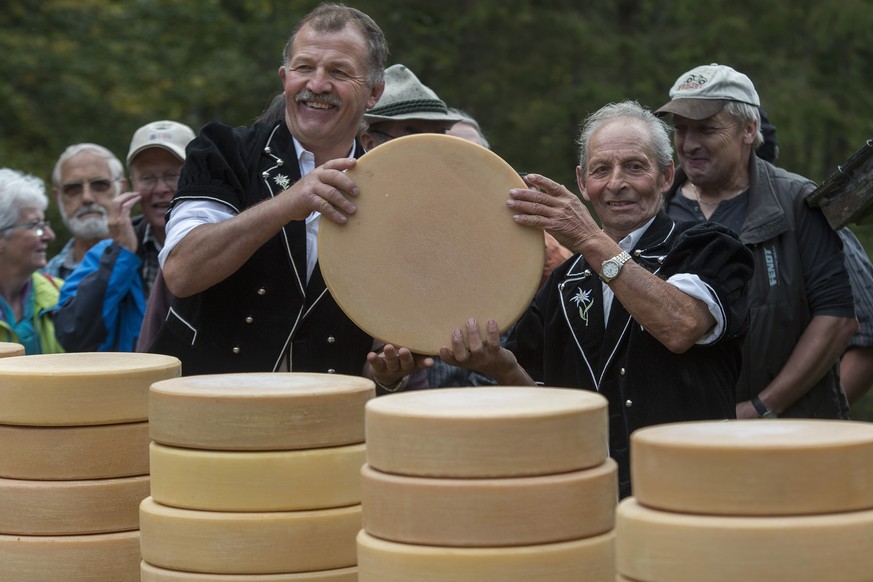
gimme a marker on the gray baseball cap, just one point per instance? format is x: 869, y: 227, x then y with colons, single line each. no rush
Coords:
x: 703, y: 91
x: 169, y: 135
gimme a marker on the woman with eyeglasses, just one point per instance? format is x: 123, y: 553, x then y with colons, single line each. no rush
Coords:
x: 26, y: 296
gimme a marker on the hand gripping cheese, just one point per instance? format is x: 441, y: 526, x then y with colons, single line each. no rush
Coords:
x: 9, y: 349
x: 154, y: 574
x: 256, y: 480
x: 46, y: 508
x: 80, y: 389
x: 515, y: 511
x: 85, y: 558
x: 259, y: 411
x: 659, y: 545
x: 789, y: 467
x: 74, y: 452
x: 248, y: 543
x: 589, y: 559
x: 486, y: 432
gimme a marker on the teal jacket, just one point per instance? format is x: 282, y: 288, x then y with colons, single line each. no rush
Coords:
x: 46, y: 290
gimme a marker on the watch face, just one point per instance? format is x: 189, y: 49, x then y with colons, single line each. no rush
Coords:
x: 610, y: 269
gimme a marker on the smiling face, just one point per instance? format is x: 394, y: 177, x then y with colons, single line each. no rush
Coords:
x: 155, y: 175
x: 326, y: 89
x: 23, y: 250
x: 621, y: 180
x: 714, y: 152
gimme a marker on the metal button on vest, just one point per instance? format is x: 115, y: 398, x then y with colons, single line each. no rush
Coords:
x: 262, y: 291
x: 235, y: 349
x: 331, y: 339
x: 331, y: 371
x: 249, y: 319
x: 621, y: 371
x: 628, y: 403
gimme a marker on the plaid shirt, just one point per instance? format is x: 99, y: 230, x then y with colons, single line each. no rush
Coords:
x: 148, y: 249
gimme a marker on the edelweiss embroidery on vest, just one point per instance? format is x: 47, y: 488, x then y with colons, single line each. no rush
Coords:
x: 583, y: 300
x: 282, y: 180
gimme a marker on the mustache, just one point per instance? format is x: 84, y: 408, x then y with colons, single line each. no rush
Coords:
x: 88, y: 208
x: 329, y: 98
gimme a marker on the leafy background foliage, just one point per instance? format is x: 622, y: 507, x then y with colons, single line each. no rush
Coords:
x: 95, y: 70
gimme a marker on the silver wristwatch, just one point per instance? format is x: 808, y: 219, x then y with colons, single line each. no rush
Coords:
x: 610, y: 268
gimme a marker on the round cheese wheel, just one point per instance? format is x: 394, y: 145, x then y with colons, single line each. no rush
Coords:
x: 486, y: 432
x: 248, y: 543
x: 660, y: 545
x: 789, y: 467
x: 82, y: 558
x: 259, y: 411
x: 10, y: 349
x: 256, y: 480
x: 47, y: 508
x: 81, y: 388
x: 589, y: 559
x: 154, y: 574
x: 439, y: 204
x: 515, y: 511
x: 74, y: 452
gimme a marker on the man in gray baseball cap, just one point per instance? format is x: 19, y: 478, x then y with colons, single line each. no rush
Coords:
x: 801, y: 309
x: 407, y: 106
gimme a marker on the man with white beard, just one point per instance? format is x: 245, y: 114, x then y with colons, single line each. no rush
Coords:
x: 85, y: 179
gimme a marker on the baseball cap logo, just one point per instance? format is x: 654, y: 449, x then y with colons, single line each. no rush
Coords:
x: 692, y: 82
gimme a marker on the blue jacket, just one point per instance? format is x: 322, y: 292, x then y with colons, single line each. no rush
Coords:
x: 102, y: 303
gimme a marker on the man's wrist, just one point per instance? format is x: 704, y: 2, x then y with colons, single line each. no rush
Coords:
x: 761, y: 408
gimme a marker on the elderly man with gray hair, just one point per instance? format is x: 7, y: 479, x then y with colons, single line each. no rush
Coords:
x: 85, y: 180
x: 800, y: 298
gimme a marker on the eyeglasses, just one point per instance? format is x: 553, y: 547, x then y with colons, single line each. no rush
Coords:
x: 148, y: 182
x: 98, y: 185
x: 38, y: 227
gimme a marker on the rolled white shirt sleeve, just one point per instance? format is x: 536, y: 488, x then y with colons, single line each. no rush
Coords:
x: 189, y: 214
x: 693, y: 286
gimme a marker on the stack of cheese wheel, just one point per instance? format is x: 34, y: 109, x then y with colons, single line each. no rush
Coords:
x: 487, y: 485
x: 255, y: 477
x: 9, y: 349
x: 74, y: 463
x: 786, y: 500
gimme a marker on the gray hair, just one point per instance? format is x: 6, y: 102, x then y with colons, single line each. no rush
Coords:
x: 659, y: 131
x: 19, y: 191
x: 466, y: 118
x: 116, y: 168
x: 743, y: 113
x: 333, y: 17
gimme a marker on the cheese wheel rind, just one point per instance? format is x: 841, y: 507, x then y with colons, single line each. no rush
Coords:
x: 256, y: 480
x: 660, y: 545
x: 248, y: 543
x: 589, y: 559
x: 70, y: 453
x: 515, y: 511
x: 74, y: 558
x: 488, y: 432
x: 790, y: 467
x: 48, y: 508
x: 77, y: 389
x: 152, y: 573
x: 259, y: 411
x: 11, y: 349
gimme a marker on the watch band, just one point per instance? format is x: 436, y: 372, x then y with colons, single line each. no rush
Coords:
x: 761, y: 408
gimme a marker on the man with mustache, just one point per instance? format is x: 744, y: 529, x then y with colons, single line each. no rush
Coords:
x: 102, y: 302
x: 241, y: 248
x: 85, y: 180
